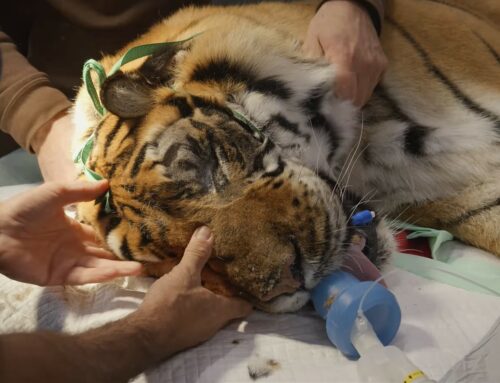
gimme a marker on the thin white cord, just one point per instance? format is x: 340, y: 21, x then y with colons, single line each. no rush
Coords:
x: 360, y: 307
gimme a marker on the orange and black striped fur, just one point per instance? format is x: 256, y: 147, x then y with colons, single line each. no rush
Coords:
x: 279, y: 197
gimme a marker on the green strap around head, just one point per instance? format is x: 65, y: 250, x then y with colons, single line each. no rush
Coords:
x: 131, y: 55
x: 81, y: 160
x: 93, y: 65
x: 245, y: 121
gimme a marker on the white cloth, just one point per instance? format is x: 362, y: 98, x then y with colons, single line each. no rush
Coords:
x: 481, y: 364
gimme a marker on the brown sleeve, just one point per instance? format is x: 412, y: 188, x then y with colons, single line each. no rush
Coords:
x: 27, y: 100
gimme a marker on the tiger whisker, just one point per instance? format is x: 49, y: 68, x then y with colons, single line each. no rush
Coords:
x: 392, y: 220
x: 363, y: 199
x: 317, y: 145
x: 351, y: 155
x: 415, y: 250
x: 353, y: 164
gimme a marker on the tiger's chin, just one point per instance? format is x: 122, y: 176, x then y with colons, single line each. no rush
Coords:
x: 285, y: 303
x: 210, y: 279
x: 218, y: 284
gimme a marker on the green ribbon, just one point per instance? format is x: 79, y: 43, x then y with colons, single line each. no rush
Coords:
x: 240, y: 117
x: 94, y: 66
x: 88, y: 67
x: 132, y: 54
x: 81, y: 160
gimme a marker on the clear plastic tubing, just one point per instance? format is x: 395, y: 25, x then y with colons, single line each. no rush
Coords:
x: 379, y: 363
x: 362, y: 318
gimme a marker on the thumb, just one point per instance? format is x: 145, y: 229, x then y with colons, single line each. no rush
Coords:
x: 346, y: 85
x: 78, y: 191
x: 312, y: 48
x: 198, y: 250
x: 233, y: 308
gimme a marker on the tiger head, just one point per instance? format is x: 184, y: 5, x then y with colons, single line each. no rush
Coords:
x: 178, y: 154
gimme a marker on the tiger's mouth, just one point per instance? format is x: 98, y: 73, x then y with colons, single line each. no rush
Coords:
x: 343, y: 250
x: 296, y: 269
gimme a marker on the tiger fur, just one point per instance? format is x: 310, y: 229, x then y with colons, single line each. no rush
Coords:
x: 279, y: 202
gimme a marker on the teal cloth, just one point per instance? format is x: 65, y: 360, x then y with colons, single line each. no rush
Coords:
x: 19, y: 167
x: 470, y: 274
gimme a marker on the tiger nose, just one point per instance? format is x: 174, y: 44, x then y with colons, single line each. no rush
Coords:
x: 290, y: 279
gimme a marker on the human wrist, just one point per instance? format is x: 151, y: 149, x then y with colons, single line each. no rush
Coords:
x: 152, y: 334
x: 124, y: 349
x: 52, y: 145
x: 42, y: 133
x: 366, y: 6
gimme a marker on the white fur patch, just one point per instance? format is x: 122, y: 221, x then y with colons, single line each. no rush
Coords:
x: 286, y: 303
x: 114, y: 241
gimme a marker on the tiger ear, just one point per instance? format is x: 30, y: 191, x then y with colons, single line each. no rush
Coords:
x: 127, y: 96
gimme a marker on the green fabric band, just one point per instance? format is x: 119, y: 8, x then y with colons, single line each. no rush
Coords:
x: 476, y: 275
x: 132, y: 54
x: 92, y: 65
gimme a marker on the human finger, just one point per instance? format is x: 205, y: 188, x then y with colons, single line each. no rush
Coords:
x: 312, y: 48
x: 363, y: 94
x: 78, y: 191
x: 80, y: 275
x: 368, y: 78
x: 84, y: 251
x: 346, y: 84
x: 233, y: 308
x: 86, y: 233
x: 197, y: 251
x: 97, y: 261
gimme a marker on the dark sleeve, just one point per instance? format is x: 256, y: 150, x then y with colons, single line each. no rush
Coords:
x: 375, y: 9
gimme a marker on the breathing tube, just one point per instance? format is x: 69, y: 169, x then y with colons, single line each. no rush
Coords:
x: 362, y: 319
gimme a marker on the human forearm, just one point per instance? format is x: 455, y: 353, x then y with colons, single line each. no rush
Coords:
x: 52, y: 145
x: 112, y: 353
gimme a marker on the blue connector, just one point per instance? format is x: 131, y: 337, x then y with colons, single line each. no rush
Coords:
x: 362, y: 218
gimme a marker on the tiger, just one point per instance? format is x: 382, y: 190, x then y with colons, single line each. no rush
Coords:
x: 235, y: 128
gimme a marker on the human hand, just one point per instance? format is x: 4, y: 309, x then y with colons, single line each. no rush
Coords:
x: 39, y: 244
x: 343, y: 32
x: 178, y: 312
x: 52, y: 145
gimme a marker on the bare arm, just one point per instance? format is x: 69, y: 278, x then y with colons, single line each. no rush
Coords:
x: 115, y: 352
x: 177, y: 313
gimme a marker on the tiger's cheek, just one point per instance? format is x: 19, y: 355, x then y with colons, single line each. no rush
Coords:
x: 88, y: 214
